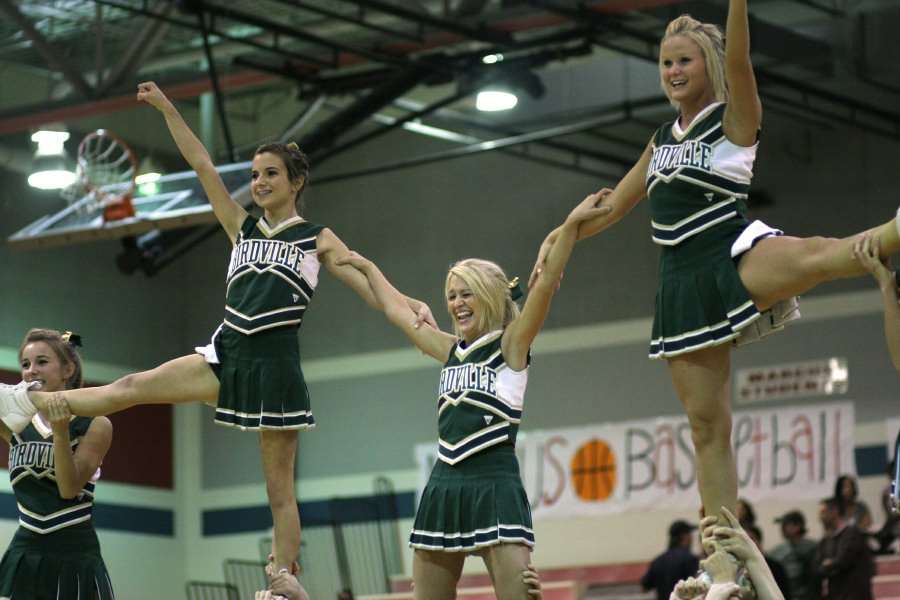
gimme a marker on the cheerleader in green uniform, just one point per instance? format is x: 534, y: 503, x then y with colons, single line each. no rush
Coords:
x: 251, y: 369
x: 722, y: 279
x: 474, y: 502
x: 53, y: 466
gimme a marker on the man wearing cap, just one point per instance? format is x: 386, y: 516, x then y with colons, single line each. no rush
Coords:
x: 673, y: 565
x: 797, y: 554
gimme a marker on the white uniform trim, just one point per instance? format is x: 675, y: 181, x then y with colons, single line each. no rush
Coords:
x: 754, y: 232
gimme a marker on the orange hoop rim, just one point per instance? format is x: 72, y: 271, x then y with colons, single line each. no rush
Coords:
x: 103, y: 196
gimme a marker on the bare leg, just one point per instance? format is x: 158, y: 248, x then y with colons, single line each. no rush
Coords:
x: 505, y: 563
x: 279, y: 452
x: 435, y: 574
x: 701, y: 379
x: 780, y: 267
x: 185, y: 379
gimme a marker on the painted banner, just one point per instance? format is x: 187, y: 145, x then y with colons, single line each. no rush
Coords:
x: 781, y: 454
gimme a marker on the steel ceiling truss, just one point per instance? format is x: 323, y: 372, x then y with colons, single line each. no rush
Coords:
x: 395, y: 49
x: 403, y: 37
x: 51, y: 54
x: 779, y: 44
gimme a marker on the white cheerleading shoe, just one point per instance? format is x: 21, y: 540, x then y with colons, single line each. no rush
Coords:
x: 769, y: 321
x: 16, y: 410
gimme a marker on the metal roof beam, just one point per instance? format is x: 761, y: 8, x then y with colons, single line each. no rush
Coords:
x: 327, y: 132
x: 623, y: 111
x: 24, y: 118
x: 244, y: 41
x: 481, y: 33
x: 300, y: 34
x: 814, y: 98
x: 360, y: 20
x: 43, y: 46
x: 778, y: 43
x: 144, y: 43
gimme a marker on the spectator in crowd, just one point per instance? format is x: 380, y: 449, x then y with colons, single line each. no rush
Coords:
x: 844, y: 563
x: 797, y: 553
x: 745, y: 513
x: 847, y: 493
x: 673, y: 565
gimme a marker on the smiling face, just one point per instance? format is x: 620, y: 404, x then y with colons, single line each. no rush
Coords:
x: 682, y: 69
x: 478, y: 299
x: 270, y: 183
x: 464, y: 308
x: 40, y: 362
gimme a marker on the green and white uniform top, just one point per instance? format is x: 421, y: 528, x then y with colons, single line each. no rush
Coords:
x: 697, y: 178
x: 272, y: 275
x: 698, y: 182
x: 32, y: 472
x: 479, y: 400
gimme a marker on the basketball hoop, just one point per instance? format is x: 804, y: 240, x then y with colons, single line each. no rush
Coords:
x: 75, y: 191
x: 106, y: 167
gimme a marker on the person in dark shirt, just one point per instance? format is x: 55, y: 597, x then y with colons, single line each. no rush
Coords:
x: 673, y: 565
x: 797, y: 553
x: 844, y: 563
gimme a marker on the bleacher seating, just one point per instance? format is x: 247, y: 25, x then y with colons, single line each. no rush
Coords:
x: 887, y: 564
x: 886, y: 584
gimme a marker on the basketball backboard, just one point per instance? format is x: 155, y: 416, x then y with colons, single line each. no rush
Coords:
x: 178, y: 202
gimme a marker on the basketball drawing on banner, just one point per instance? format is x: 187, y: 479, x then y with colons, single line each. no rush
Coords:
x: 593, y: 471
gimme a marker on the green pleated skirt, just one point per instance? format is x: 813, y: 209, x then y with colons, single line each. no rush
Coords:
x: 62, y: 565
x: 701, y: 300
x: 473, y: 504
x: 261, y: 384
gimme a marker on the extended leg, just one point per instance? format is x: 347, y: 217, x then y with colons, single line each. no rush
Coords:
x: 185, y: 379
x: 780, y: 267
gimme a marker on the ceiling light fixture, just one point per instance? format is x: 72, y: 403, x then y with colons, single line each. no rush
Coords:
x: 50, y: 170
x: 501, y: 94
x: 491, y: 100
